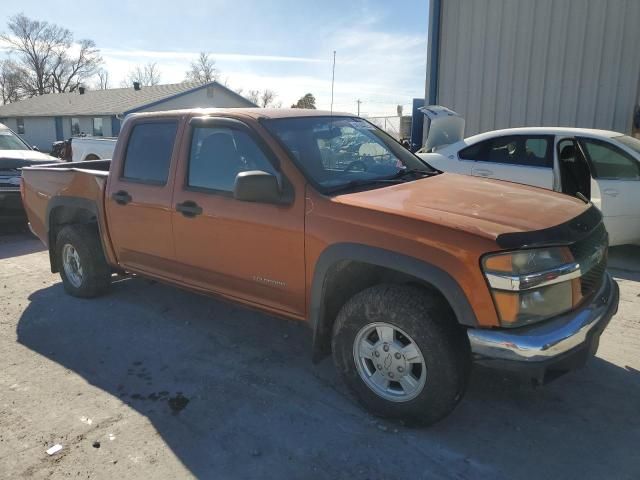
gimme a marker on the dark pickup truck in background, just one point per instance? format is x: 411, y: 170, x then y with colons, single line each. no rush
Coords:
x: 14, y: 155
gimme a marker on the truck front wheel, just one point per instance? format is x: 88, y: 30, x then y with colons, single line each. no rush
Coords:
x: 401, y: 352
x: 83, y: 268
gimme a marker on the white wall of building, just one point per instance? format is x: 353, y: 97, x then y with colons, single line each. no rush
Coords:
x: 510, y: 63
x: 38, y: 131
x: 11, y: 123
x: 41, y: 131
x: 86, y: 126
x: 214, y: 96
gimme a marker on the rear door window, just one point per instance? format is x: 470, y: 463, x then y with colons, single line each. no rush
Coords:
x: 522, y: 150
x: 149, y: 152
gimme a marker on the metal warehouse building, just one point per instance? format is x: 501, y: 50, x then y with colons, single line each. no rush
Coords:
x: 511, y: 63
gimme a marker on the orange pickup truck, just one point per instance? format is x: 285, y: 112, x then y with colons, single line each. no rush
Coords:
x: 405, y: 274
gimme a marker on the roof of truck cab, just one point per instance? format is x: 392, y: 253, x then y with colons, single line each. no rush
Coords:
x: 250, y: 112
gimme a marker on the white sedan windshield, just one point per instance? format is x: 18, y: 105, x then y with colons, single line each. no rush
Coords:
x: 632, y: 143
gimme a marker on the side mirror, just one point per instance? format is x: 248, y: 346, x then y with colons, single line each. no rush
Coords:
x: 34, y: 147
x: 257, y: 186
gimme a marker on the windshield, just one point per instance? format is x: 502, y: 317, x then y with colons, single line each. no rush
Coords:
x: 341, y: 151
x: 632, y: 143
x: 10, y: 141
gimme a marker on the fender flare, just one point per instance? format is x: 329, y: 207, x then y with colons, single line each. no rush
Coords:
x: 435, y: 276
x: 69, y: 202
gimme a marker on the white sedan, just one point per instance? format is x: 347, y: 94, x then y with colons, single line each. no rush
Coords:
x: 599, y: 165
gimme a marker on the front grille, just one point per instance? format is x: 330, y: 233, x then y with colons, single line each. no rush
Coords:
x: 7, y: 177
x: 584, y: 250
x: 591, y: 281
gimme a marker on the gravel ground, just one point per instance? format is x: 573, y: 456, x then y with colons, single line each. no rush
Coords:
x: 153, y: 382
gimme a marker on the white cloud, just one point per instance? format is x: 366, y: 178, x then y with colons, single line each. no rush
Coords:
x: 151, y: 55
x: 380, y: 68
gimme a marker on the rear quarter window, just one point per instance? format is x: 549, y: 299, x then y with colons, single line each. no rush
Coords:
x: 148, y: 155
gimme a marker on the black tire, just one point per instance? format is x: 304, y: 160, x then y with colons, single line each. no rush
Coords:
x: 432, y: 325
x: 96, y: 273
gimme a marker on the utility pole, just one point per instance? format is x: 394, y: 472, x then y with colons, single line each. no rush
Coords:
x: 333, y: 78
x: 358, y: 102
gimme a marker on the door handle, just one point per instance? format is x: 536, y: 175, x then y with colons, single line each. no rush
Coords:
x: 189, y: 208
x: 483, y: 173
x: 612, y: 192
x: 121, y: 197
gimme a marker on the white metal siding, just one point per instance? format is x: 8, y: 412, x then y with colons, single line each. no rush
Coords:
x: 510, y: 63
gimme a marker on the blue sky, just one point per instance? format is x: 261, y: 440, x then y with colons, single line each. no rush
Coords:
x: 284, y: 45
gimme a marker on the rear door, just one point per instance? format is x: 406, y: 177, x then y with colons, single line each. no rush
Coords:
x: 246, y: 250
x: 617, y: 177
x: 138, y: 199
x: 526, y: 159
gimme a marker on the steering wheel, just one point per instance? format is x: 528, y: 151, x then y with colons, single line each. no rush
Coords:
x: 356, y: 163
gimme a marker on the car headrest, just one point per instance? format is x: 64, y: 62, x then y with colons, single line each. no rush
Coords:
x: 568, y: 152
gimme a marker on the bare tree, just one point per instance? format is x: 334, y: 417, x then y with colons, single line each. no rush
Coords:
x: 203, y: 69
x: 46, y: 56
x: 70, y: 72
x: 10, y: 82
x: 146, y: 75
x: 253, y: 96
x: 267, y: 98
x: 103, y: 79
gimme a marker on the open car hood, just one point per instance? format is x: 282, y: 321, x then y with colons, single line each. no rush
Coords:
x: 444, y: 127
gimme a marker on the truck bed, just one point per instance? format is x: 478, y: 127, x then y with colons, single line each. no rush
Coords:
x: 85, y: 182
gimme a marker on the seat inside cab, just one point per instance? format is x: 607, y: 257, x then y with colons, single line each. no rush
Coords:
x: 575, y: 176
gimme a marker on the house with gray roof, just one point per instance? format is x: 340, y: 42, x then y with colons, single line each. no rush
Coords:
x: 44, y: 119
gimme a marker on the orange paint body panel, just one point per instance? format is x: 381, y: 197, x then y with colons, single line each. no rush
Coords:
x: 265, y: 255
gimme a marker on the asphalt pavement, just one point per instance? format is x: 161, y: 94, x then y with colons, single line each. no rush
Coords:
x: 150, y: 381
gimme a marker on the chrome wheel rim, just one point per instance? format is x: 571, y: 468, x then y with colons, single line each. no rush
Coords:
x: 389, y: 362
x: 71, y: 264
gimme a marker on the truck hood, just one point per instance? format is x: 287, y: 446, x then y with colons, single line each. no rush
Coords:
x: 480, y: 206
x: 14, y: 159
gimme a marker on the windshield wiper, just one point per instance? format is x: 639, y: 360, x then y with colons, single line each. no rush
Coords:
x: 362, y: 183
x: 404, y: 172
x: 396, y: 178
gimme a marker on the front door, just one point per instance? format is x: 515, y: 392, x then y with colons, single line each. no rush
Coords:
x: 617, y: 179
x: 138, y: 198
x: 245, y: 250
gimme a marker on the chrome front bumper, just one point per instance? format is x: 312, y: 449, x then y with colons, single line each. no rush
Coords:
x: 549, y: 341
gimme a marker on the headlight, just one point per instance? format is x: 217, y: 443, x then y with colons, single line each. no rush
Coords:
x: 529, y: 286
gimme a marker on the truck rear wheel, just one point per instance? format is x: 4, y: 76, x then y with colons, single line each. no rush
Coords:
x: 83, y: 268
x: 401, y: 352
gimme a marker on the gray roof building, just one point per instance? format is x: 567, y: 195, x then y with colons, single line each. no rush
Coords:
x: 44, y: 119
